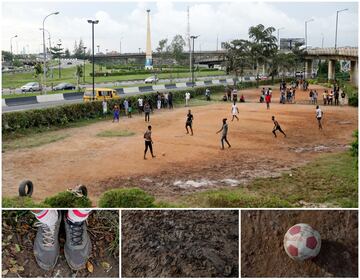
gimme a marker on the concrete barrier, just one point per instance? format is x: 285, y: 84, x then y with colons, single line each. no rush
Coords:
x: 131, y: 90
x: 200, y: 83
x: 181, y: 85
x: 4, y: 103
x: 50, y: 97
x: 158, y: 87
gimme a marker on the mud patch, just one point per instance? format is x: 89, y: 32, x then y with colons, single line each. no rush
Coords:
x: 263, y: 254
x: 319, y: 148
x: 180, y: 243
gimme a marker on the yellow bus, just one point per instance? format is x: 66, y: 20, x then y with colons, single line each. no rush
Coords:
x: 100, y: 93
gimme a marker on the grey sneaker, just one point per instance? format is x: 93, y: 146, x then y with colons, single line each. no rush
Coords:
x: 78, y: 244
x: 46, y: 244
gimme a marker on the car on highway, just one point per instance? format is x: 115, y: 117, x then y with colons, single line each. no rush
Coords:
x: 64, y: 86
x: 33, y: 86
x: 100, y: 94
x: 151, y: 80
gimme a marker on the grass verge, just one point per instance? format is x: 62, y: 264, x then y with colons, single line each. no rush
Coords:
x: 330, y: 180
x: 115, y: 133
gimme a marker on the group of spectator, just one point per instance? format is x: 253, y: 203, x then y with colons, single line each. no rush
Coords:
x: 287, y: 94
x: 231, y: 94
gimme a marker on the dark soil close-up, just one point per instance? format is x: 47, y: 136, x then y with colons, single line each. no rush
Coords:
x: 180, y: 243
x: 263, y: 254
x: 18, y: 234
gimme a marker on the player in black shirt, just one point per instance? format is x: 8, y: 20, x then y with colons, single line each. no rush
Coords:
x: 189, y: 119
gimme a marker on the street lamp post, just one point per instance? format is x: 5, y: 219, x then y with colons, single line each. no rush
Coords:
x: 98, y: 47
x: 120, y: 43
x: 192, y: 58
x: 278, y: 35
x: 59, y: 45
x: 11, y: 51
x: 44, y: 47
x: 306, y: 43
x: 336, y: 29
x: 92, y: 22
x: 84, y: 62
x: 139, y: 50
x: 49, y: 38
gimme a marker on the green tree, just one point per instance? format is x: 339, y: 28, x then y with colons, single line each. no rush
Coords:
x: 79, y: 73
x: 237, y: 56
x: 163, y: 50
x: 67, y: 53
x: 38, y: 71
x: 7, y: 56
x: 177, y: 48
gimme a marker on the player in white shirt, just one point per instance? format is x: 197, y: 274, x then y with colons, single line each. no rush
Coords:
x: 234, y: 111
x: 187, y: 98
x: 319, y: 114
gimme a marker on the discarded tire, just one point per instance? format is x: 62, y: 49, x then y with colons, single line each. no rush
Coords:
x: 26, y: 188
x: 83, y: 190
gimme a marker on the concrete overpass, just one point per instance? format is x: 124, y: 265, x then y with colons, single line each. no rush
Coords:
x: 332, y: 55
x: 201, y: 57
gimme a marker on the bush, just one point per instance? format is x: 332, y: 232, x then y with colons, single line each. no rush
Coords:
x: 67, y: 200
x: 126, y: 198
x: 21, y: 202
x: 61, y: 116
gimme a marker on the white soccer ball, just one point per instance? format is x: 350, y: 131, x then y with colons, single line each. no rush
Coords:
x: 302, y: 242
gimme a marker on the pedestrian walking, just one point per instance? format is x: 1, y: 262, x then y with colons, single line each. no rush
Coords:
x: 126, y: 106
x: 104, y: 106
x: 187, y: 99
x: 116, y: 113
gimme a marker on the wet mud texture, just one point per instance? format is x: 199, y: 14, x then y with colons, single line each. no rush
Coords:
x: 180, y: 243
x: 263, y: 254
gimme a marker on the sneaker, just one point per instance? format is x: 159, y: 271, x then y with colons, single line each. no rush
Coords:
x: 46, y: 244
x: 78, y: 245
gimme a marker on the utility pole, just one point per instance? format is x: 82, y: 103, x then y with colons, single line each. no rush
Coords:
x: 59, y: 46
x: 84, y: 62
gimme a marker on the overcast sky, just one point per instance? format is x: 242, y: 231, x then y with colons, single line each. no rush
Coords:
x: 127, y: 20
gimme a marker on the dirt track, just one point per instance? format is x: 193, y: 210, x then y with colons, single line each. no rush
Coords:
x: 184, y: 163
x: 180, y: 244
x: 263, y: 254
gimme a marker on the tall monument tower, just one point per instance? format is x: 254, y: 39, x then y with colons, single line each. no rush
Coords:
x: 149, y: 61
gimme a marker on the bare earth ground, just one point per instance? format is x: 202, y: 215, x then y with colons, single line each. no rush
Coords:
x: 180, y: 243
x: 263, y: 254
x: 18, y: 234
x: 184, y: 164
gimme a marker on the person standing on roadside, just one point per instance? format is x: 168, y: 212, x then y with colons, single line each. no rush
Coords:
x: 126, y: 106
x: 187, y: 99
x: 234, y: 111
x: 148, y: 142
x: 140, y: 102
x: 147, y: 111
x: 104, y: 106
x: 170, y: 100
x: 116, y: 113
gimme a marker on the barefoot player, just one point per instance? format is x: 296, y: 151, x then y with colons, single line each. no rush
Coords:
x: 277, y: 127
x: 224, y: 130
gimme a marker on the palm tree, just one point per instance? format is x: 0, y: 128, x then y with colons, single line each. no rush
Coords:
x: 79, y: 74
x: 263, y: 46
x: 237, y: 56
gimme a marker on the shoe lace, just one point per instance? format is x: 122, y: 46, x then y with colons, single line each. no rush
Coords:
x: 48, y: 234
x: 76, y: 233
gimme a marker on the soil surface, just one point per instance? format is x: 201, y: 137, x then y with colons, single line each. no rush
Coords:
x: 263, y: 254
x: 184, y: 163
x: 180, y: 243
x: 18, y: 234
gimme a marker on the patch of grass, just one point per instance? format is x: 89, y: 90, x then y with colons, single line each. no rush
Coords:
x: 330, y: 179
x: 21, y: 202
x: 115, y: 133
x: 33, y: 141
x: 126, y: 198
x: 67, y: 200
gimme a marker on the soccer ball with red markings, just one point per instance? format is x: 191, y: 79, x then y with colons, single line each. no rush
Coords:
x: 302, y: 242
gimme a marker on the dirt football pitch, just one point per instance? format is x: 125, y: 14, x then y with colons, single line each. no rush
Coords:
x: 184, y: 164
